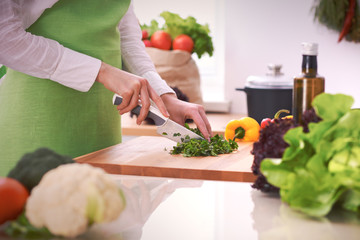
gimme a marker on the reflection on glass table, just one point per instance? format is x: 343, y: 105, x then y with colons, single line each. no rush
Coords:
x: 275, y: 220
x: 163, y: 208
x: 231, y: 210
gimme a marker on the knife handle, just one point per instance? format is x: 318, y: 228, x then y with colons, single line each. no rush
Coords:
x: 117, y: 100
x: 153, y: 113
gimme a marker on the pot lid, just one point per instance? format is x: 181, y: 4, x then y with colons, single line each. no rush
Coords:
x: 274, y: 78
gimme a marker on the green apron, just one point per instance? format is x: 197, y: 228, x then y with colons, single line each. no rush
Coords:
x: 38, y: 112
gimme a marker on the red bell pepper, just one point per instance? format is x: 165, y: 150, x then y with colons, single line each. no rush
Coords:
x: 348, y: 19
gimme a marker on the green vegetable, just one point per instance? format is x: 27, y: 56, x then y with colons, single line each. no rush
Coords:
x: 198, y: 147
x: 176, y: 25
x: 153, y: 27
x: 32, y: 166
x: 21, y: 228
x: 321, y: 168
x: 67, y: 202
x: 337, y: 14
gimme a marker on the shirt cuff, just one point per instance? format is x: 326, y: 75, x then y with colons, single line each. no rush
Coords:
x: 76, y: 70
x: 157, y: 83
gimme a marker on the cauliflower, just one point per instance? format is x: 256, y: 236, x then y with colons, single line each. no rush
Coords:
x: 71, y: 197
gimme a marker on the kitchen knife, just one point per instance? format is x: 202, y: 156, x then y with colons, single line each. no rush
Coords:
x: 165, y: 126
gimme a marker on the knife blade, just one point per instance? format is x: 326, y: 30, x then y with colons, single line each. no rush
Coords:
x: 165, y: 126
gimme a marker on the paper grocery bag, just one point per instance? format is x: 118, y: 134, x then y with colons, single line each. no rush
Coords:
x: 179, y: 70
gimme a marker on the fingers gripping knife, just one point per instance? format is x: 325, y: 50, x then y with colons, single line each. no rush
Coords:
x: 165, y: 126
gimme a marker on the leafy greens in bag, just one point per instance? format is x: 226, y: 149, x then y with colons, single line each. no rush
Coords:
x: 176, y: 25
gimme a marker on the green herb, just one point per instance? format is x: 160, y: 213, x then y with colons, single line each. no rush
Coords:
x: 21, y: 228
x: 176, y: 25
x: 195, y: 130
x: 164, y: 133
x: 199, y: 147
x: 321, y: 168
x: 176, y: 134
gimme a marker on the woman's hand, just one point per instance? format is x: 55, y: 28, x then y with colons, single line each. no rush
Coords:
x: 180, y: 111
x: 131, y: 88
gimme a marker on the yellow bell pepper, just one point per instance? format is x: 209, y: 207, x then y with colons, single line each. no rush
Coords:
x: 245, y: 129
x: 288, y: 117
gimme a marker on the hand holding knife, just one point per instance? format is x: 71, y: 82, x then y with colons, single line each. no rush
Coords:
x: 165, y: 126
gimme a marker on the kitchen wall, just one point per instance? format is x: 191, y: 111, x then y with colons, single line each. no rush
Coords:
x: 271, y: 31
x: 250, y: 34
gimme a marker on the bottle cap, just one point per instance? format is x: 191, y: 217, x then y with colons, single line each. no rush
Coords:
x: 309, y: 48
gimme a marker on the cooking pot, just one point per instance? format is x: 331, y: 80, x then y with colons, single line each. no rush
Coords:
x: 268, y: 94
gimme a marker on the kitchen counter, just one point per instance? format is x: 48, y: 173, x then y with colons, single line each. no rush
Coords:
x: 215, y: 201
x: 167, y: 208
x: 218, y: 123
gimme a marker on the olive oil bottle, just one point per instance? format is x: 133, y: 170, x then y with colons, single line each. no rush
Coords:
x: 309, y: 83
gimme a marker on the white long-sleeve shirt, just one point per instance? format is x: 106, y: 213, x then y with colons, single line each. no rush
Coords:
x: 45, y: 58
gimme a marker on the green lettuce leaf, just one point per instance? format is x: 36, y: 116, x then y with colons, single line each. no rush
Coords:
x: 321, y: 169
x: 331, y: 107
x: 153, y: 27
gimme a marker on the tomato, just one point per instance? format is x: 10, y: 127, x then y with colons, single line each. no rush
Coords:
x: 161, y: 39
x: 183, y: 42
x: 147, y: 43
x: 145, y: 34
x: 13, y: 196
x: 265, y: 122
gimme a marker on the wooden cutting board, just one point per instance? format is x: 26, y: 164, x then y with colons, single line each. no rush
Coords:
x: 149, y: 156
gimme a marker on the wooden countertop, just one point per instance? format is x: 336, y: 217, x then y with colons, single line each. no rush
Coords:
x: 149, y: 156
x: 218, y: 123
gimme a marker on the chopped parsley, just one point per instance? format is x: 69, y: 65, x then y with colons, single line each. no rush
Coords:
x: 200, y: 147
